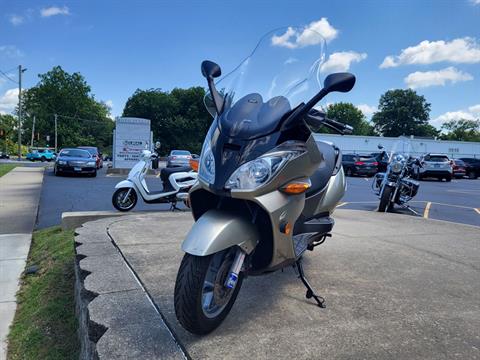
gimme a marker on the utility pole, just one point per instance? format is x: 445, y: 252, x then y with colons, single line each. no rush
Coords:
x: 20, y: 72
x: 56, y: 133
x: 33, y: 131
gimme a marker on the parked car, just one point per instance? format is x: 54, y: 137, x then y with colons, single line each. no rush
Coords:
x: 4, y: 155
x: 472, y: 167
x: 95, y: 154
x: 75, y: 161
x: 354, y: 164
x: 459, y: 168
x: 382, y: 159
x: 41, y: 155
x: 179, y: 158
x: 436, y: 166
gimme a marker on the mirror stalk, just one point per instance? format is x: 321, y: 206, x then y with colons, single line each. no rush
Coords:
x: 216, y: 97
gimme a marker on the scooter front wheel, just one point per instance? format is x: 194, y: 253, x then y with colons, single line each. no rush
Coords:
x: 124, y: 199
x: 202, y: 301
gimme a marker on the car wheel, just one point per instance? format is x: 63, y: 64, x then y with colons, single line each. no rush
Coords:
x: 43, y: 159
x: 94, y: 174
x: 448, y: 179
x: 472, y: 175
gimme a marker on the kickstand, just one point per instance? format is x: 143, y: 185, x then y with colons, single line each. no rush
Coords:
x: 173, y: 206
x: 310, y: 293
x: 405, y: 206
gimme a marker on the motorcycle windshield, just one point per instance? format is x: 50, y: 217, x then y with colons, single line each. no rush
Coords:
x: 404, y: 147
x: 281, y: 72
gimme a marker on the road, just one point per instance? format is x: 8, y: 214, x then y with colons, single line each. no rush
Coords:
x: 453, y: 201
x: 457, y: 201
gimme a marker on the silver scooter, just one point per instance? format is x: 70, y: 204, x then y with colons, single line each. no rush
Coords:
x: 176, y: 184
x: 266, y: 188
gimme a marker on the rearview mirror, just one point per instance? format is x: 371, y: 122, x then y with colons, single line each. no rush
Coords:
x: 211, y: 70
x: 341, y: 82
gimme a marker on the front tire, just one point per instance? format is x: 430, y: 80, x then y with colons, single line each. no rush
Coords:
x: 122, y: 204
x: 201, y: 300
x: 385, y: 204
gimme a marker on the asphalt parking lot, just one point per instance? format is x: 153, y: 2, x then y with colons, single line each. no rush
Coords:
x: 81, y: 193
x: 457, y: 201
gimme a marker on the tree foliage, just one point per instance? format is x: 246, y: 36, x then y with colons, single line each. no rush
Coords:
x: 403, y: 112
x: 462, y: 130
x: 8, y: 133
x: 351, y: 115
x: 179, y: 118
x: 82, y: 120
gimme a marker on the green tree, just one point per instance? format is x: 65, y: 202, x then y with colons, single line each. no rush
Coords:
x: 82, y: 120
x: 462, y: 130
x: 179, y: 118
x: 351, y: 115
x: 403, y: 112
x: 8, y: 133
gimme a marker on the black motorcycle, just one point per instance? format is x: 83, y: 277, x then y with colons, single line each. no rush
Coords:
x: 395, y: 185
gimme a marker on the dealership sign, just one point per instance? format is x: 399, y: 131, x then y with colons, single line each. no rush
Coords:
x: 130, y: 138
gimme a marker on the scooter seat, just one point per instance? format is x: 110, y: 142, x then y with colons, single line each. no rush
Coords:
x: 322, y: 175
x: 166, y: 172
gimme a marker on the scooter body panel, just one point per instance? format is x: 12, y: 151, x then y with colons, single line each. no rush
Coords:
x: 218, y: 230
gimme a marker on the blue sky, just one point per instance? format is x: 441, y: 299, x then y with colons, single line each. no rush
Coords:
x: 119, y: 46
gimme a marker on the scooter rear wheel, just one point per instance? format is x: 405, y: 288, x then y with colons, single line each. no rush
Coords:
x: 201, y: 300
x: 121, y: 203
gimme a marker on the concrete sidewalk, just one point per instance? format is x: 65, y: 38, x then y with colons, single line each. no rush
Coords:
x: 19, y: 197
x: 396, y: 287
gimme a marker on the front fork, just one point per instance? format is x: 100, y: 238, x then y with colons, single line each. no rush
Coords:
x: 235, y: 269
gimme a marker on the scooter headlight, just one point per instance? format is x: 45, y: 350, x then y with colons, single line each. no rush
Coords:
x: 254, y: 173
x: 206, y: 165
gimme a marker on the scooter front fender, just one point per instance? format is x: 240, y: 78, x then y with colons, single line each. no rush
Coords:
x: 125, y: 184
x: 217, y: 230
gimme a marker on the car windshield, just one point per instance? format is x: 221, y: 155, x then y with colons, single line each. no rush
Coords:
x: 75, y: 153
x: 92, y: 151
x: 366, y: 159
x: 459, y: 162
x: 180, y: 152
x: 281, y: 72
x: 436, y: 158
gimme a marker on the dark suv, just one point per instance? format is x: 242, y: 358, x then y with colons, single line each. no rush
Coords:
x: 472, y: 167
x: 354, y: 164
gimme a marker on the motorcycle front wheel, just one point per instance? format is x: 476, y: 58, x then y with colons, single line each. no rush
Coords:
x: 124, y: 199
x: 385, y: 203
x: 201, y: 299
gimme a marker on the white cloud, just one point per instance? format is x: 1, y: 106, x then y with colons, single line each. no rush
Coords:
x: 341, y: 61
x: 16, y: 19
x: 8, y: 101
x: 10, y: 51
x: 475, y: 2
x: 109, y: 103
x: 54, y: 10
x: 294, y: 38
x: 475, y: 109
x: 461, y: 50
x: 472, y: 113
x: 367, y: 110
x: 422, y: 79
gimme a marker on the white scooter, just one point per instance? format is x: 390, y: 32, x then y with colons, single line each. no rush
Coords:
x: 176, y: 184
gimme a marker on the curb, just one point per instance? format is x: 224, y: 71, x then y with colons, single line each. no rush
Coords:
x: 115, y: 314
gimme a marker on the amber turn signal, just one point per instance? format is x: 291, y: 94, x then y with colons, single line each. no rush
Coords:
x: 295, y: 187
x: 194, y: 164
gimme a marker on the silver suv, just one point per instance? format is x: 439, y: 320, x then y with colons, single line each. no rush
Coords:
x: 437, y: 166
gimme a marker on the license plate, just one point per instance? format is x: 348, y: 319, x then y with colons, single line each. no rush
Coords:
x: 436, y: 165
x: 77, y: 168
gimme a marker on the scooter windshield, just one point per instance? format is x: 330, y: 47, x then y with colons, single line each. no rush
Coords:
x: 282, y: 71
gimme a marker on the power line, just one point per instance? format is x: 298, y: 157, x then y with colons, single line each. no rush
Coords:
x: 8, y: 77
x: 79, y: 119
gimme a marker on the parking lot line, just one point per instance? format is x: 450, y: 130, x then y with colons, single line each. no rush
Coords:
x: 477, y: 210
x: 427, y: 210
